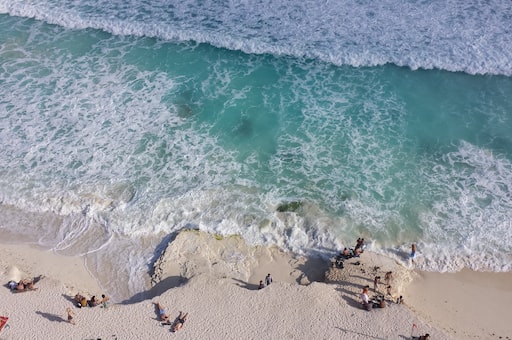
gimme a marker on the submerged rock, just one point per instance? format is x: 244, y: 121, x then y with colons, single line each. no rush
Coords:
x: 292, y: 206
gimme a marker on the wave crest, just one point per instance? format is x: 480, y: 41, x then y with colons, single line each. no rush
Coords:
x: 456, y: 36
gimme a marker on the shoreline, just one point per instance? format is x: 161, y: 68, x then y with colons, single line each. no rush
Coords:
x: 202, y: 274
x: 468, y: 304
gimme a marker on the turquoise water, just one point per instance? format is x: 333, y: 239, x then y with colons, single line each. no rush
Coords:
x: 110, y: 142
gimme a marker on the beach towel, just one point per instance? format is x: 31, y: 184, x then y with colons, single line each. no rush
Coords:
x: 3, y: 322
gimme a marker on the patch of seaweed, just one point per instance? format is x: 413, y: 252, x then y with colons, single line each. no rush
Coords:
x: 292, y: 206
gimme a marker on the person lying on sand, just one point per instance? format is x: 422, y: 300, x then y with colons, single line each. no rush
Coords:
x: 161, y: 311
x: 25, y: 285
x: 178, y: 324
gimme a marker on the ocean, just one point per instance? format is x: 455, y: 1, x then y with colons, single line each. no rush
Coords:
x: 301, y: 124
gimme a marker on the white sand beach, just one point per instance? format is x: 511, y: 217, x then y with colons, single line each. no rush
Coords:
x: 215, y: 280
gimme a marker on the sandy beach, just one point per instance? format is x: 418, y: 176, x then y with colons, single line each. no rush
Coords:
x: 215, y: 280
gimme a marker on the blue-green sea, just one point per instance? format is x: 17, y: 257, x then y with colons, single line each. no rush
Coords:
x: 124, y: 123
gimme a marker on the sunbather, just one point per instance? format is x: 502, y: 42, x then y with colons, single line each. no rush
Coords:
x: 178, y: 324
x: 161, y: 311
x: 26, y: 284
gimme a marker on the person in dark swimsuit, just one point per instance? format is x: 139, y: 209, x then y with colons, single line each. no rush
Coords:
x: 178, y: 324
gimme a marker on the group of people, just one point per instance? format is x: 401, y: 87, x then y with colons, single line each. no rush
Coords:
x: 268, y: 281
x: 82, y: 301
x: 379, y: 299
x: 387, y: 280
x: 376, y: 301
x: 349, y: 253
x: 164, y: 318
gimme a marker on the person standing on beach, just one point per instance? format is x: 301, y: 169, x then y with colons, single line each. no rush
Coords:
x: 413, y: 252
x: 376, y: 283
x: 364, y: 297
x: 262, y: 285
x: 387, y: 277
x: 268, y: 279
x: 70, y: 316
x: 359, y: 244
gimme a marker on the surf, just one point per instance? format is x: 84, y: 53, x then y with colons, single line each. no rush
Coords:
x: 465, y: 37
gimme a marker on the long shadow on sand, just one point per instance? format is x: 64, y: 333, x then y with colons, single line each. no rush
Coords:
x: 359, y: 333
x: 162, y: 286
x: 348, y: 283
x: 352, y: 298
x: 352, y: 302
x: 363, y: 278
x: 314, y: 269
x: 246, y: 285
x: 70, y: 299
x: 51, y: 317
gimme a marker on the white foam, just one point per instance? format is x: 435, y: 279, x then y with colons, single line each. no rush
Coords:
x: 458, y: 36
x: 472, y: 209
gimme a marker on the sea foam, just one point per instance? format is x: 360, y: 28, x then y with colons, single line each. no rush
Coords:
x: 464, y: 36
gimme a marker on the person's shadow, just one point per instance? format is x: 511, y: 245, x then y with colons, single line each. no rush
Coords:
x: 359, y: 333
x: 70, y: 299
x: 246, y: 285
x: 51, y: 317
